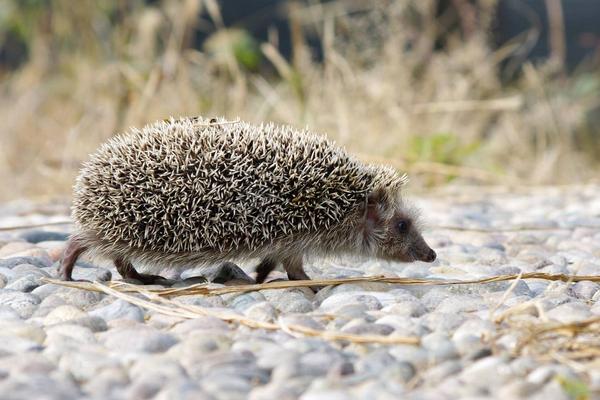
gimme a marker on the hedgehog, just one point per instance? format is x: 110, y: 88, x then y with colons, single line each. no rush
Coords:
x: 190, y: 192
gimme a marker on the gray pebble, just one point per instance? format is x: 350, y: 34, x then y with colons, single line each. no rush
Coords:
x: 138, y: 340
x: 12, y: 262
x: 570, y: 312
x: 230, y: 272
x: 8, y: 314
x: 262, y: 311
x: 336, y: 301
x: 439, y: 347
x: 119, y: 309
x: 585, y: 290
x: 31, y: 386
x: 37, y: 236
x: 441, y: 371
x: 25, y: 284
x: 17, y: 345
x: 368, y: 329
x: 24, y: 304
x: 79, y: 298
x: 290, y: 300
x: 486, y: 372
x: 85, y: 365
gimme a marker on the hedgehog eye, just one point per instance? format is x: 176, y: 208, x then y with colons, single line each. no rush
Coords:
x: 402, y: 226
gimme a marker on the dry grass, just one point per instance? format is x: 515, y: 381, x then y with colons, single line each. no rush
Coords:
x: 387, y: 93
x: 575, y: 342
x: 150, y: 300
x: 208, y: 290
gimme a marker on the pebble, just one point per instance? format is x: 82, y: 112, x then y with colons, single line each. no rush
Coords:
x: 132, y: 340
x: 25, y: 284
x: 570, y: 312
x: 63, y: 313
x: 12, y: 262
x: 24, y: 304
x: 70, y: 343
x: 119, y: 309
x: 230, y: 273
x: 37, y: 236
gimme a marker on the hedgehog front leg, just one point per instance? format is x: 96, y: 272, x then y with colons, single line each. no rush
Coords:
x: 72, y: 252
x: 126, y: 270
x: 294, y: 268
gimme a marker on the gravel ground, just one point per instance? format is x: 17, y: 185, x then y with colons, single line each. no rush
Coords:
x: 476, y: 339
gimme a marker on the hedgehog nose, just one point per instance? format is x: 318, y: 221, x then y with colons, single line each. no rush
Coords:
x: 430, y: 257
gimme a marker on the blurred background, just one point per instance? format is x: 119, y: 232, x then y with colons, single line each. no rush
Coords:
x: 486, y: 92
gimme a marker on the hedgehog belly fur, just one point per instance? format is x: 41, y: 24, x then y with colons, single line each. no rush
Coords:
x: 187, y: 191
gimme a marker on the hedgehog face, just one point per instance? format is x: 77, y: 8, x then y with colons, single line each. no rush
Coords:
x: 392, y: 231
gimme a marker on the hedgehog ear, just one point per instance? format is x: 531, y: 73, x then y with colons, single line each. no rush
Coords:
x: 373, y: 205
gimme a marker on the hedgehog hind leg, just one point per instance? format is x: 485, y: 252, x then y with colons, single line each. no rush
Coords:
x: 265, y: 267
x: 126, y: 270
x: 294, y: 267
x: 70, y: 255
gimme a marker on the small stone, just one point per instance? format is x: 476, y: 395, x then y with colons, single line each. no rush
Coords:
x: 584, y: 290
x: 25, y: 284
x: 8, y: 314
x: 30, y: 386
x: 443, y: 322
x: 63, y: 313
x: 22, y: 270
x: 416, y: 356
x: 441, y: 371
x: 82, y: 299
x: 16, y: 345
x: 46, y: 290
x: 262, y: 311
x: 36, y: 236
x: 439, y: 348
x: 230, y: 273
x: 403, y: 323
x: 85, y: 365
x: 119, y: 309
x: 14, y: 247
x: 486, y: 372
x: 290, y: 300
x: 71, y: 332
x: 144, y: 340
x: 330, y: 304
x: 460, y: 304
x: 24, y: 330
x: 570, y: 312
x: 200, y: 324
x: 587, y: 268
x: 552, y: 390
x: 406, y: 309
x: 91, y: 273
x: 369, y: 329
x: 12, y: 262
x: 3, y: 281
x: 107, y: 383
x: 24, y: 304
x: 545, y: 373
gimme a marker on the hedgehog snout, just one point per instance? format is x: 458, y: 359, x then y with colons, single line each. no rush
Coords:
x: 431, y: 256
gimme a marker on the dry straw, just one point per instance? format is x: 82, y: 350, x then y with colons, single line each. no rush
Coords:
x: 159, y: 300
x: 203, y: 289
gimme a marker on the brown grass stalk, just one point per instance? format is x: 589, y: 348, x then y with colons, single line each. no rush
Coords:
x: 166, y: 306
x: 203, y: 289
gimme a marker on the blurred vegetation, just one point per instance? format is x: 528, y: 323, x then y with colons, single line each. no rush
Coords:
x: 81, y: 71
